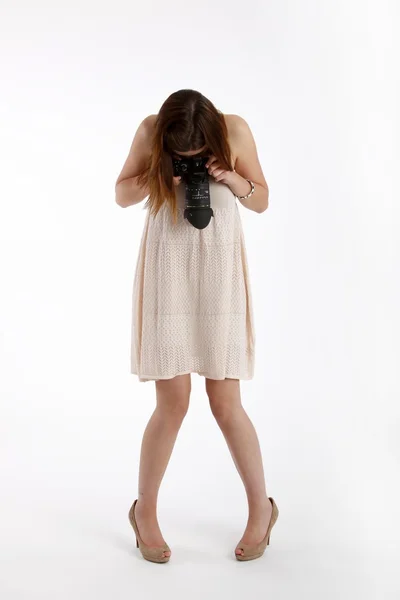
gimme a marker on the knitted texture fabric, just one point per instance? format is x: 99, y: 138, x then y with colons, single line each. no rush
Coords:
x: 191, y: 302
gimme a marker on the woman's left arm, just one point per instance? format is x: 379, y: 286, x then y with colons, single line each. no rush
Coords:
x: 247, y: 167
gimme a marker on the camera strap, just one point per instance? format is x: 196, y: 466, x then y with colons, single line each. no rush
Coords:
x: 198, y: 216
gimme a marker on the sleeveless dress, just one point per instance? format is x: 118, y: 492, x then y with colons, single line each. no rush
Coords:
x: 191, y: 303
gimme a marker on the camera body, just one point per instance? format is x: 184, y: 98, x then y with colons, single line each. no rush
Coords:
x: 194, y: 174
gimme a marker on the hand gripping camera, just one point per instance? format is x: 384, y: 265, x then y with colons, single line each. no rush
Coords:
x: 193, y: 171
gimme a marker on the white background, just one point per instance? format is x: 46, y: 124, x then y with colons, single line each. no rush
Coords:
x: 319, y: 86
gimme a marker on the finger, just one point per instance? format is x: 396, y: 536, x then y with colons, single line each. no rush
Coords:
x: 214, y: 167
x: 221, y: 176
x: 218, y: 173
x: 211, y: 159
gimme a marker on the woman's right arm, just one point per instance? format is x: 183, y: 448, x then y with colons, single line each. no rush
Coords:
x: 127, y: 191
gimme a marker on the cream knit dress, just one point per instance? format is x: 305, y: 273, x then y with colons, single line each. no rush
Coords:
x: 192, y: 307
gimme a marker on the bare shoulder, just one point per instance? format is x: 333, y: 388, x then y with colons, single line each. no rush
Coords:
x: 145, y: 127
x: 140, y: 149
x: 236, y: 125
x: 244, y: 149
x: 237, y: 129
x: 149, y: 122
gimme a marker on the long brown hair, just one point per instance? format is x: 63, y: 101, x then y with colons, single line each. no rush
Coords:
x: 186, y: 121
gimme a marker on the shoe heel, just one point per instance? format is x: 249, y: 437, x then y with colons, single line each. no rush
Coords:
x: 148, y: 552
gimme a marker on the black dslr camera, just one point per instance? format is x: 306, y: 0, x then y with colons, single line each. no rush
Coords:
x: 193, y: 171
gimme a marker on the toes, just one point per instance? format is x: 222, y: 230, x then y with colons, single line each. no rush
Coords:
x: 239, y: 551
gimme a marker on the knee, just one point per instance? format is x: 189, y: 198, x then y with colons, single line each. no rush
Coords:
x: 222, y: 410
x: 174, y: 410
x: 173, y: 399
x: 223, y: 405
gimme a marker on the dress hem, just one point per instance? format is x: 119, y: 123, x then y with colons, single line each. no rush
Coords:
x: 145, y: 378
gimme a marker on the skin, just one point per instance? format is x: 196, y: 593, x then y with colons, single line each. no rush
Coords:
x: 245, y: 160
x: 159, y: 438
x: 173, y: 395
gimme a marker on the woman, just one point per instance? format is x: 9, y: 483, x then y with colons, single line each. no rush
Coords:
x: 192, y: 307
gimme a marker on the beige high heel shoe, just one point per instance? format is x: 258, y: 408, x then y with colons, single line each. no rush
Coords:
x: 251, y: 552
x: 152, y: 553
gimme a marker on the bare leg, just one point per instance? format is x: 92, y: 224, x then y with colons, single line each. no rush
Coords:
x: 243, y: 444
x: 158, y: 442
